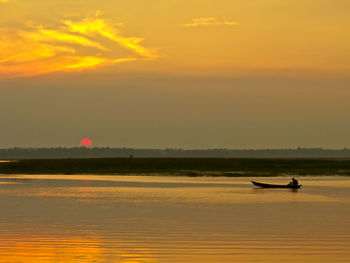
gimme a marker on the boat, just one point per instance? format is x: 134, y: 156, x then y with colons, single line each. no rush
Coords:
x: 262, y: 185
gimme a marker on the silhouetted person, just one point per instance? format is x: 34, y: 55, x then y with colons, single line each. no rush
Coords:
x: 294, y: 182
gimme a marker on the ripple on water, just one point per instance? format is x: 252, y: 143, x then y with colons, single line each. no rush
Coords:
x: 153, y: 219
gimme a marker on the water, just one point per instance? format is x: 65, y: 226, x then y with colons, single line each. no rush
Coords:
x: 85, y: 218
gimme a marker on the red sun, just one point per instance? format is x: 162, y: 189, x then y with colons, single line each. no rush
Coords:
x: 86, y: 142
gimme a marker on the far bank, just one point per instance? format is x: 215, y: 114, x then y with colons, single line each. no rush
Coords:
x: 229, y: 167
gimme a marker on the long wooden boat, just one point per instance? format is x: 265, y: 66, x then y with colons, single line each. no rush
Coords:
x: 276, y: 185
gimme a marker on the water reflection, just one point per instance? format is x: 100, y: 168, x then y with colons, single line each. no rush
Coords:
x: 172, y: 219
x: 60, y: 248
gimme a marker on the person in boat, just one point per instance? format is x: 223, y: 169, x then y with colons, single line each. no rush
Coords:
x: 294, y: 182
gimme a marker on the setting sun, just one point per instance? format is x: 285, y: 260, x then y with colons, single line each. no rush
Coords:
x: 86, y: 142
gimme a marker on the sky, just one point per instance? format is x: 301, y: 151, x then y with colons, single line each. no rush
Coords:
x: 175, y: 74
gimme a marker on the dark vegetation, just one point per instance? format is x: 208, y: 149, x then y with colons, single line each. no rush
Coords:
x: 179, y: 166
x: 107, y: 152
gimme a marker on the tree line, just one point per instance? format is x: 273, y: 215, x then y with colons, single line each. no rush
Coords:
x: 108, y: 152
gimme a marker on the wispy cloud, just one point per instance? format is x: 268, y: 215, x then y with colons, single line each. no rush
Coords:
x: 210, y: 21
x: 91, y: 27
x: 72, y: 46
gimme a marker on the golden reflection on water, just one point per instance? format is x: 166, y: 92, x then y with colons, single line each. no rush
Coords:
x: 60, y: 248
x: 180, y: 195
x: 139, y: 219
x: 66, y: 249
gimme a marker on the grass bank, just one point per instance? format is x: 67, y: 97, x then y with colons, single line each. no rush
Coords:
x: 180, y: 166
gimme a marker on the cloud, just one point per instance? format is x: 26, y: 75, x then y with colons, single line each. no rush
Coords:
x: 73, y: 46
x: 209, y: 21
x: 98, y: 26
x: 44, y: 35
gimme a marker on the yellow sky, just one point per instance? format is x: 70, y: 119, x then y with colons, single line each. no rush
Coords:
x: 175, y: 73
x: 194, y: 37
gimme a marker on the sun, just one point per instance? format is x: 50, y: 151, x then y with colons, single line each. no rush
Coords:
x: 86, y: 142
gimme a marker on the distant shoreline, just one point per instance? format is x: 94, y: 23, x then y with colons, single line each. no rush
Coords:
x: 108, y: 152
x: 193, y: 167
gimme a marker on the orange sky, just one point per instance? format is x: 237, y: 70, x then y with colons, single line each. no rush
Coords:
x: 179, y: 37
x: 175, y: 59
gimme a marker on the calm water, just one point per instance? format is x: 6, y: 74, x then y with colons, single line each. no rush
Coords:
x: 172, y: 219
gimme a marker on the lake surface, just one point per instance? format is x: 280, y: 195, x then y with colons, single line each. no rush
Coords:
x: 86, y: 218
